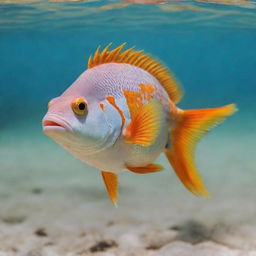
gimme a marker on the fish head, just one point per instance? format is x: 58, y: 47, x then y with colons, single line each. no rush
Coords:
x: 77, y: 124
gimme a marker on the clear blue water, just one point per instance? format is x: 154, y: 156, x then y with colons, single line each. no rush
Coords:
x: 210, y: 47
x: 45, y: 46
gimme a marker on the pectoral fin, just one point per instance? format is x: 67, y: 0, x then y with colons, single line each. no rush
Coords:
x: 145, y: 125
x: 111, y: 182
x: 151, y: 168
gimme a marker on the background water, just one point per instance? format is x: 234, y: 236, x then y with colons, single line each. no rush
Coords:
x: 44, y: 46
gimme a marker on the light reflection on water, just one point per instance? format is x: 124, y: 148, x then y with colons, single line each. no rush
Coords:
x: 44, y: 15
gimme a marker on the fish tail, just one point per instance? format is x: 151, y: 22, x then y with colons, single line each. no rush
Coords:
x: 190, y: 127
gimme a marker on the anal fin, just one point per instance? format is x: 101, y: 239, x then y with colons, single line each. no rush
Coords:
x: 151, y: 168
x: 111, y: 183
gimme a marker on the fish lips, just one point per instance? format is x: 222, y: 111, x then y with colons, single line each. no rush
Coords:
x: 52, y: 124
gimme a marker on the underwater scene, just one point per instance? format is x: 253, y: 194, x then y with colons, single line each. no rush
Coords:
x: 54, y: 204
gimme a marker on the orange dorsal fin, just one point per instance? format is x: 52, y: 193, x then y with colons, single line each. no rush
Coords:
x: 145, y: 124
x: 111, y: 182
x: 190, y: 127
x: 151, y: 168
x: 141, y: 60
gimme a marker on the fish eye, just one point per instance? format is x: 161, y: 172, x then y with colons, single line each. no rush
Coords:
x: 79, y: 106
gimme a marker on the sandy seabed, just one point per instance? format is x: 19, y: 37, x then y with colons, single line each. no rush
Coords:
x: 54, y: 205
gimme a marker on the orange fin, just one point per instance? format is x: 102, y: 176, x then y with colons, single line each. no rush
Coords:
x: 151, y: 168
x: 140, y: 60
x: 111, y: 182
x: 190, y: 127
x: 145, y: 125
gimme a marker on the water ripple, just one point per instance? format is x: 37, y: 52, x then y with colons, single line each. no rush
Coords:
x: 56, y: 14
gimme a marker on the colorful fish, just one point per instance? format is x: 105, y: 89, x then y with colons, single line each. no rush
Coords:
x: 121, y: 113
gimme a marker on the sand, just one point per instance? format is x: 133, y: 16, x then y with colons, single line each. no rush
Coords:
x: 54, y: 205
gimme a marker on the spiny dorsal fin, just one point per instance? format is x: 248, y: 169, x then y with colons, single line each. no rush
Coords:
x: 141, y: 60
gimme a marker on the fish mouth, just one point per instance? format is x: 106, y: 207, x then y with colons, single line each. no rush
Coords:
x: 52, y: 125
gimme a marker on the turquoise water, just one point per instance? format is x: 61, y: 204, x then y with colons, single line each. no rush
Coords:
x: 44, y: 47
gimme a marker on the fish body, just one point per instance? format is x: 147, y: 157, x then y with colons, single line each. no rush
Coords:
x: 121, y: 113
x: 115, y: 151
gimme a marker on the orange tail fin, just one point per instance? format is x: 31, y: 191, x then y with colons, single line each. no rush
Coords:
x: 190, y: 127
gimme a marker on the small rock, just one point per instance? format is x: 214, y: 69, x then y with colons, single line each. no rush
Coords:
x: 103, y: 245
x: 49, y: 244
x: 41, y: 232
x: 153, y: 247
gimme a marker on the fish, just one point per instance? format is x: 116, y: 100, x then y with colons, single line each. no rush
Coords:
x: 121, y: 113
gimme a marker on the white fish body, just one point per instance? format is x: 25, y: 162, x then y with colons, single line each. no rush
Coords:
x: 120, y: 114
